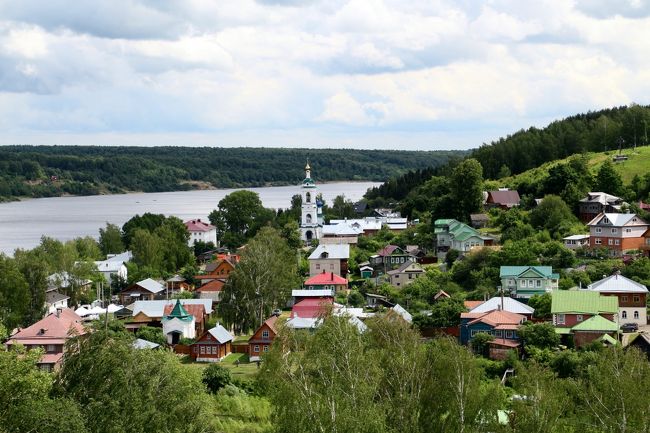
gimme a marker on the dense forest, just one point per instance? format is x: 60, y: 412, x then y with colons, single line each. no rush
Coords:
x: 597, y: 131
x: 42, y: 171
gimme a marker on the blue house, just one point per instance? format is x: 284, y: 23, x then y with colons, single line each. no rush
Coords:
x: 502, y: 325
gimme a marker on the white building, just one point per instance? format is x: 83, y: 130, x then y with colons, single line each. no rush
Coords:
x: 115, y: 264
x: 311, y: 218
x: 178, y: 324
x: 200, y: 231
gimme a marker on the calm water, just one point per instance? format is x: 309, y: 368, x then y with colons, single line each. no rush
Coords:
x: 23, y: 223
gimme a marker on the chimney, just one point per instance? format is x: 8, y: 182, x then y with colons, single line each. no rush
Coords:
x: 332, y: 277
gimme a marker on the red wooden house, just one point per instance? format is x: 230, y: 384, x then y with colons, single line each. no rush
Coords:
x: 312, y: 308
x: 212, y: 346
x: 260, y: 342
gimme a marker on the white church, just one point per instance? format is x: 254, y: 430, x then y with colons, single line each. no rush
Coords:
x: 311, y: 220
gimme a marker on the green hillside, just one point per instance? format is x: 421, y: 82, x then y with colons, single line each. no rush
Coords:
x: 638, y: 164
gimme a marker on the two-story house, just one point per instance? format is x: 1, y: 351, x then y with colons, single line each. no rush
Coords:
x: 452, y: 234
x: 503, y: 303
x: 523, y: 282
x: 260, y: 343
x: 144, y: 290
x: 329, y: 258
x: 497, y: 323
x: 390, y: 257
x: 200, y: 231
x: 631, y: 297
x: 214, y: 345
x: 584, y: 315
x: 618, y: 232
x: 50, y: 334
x: 599, y: 202
x: 405, y: 274
x: 502, y: 198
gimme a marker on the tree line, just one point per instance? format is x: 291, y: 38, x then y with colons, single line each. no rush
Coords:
x: 43, y: 171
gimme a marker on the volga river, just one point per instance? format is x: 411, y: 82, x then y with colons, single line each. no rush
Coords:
x: 23, y: 223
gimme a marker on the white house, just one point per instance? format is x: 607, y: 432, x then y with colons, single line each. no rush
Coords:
x: 114, y: 265
x: 178, y: 324
x: 631, y: 297
x: 200, y: 231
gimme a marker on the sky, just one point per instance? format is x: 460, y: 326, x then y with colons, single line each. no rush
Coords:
x: 375, y: 74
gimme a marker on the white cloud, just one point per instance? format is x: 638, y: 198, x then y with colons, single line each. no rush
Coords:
x: 337, y: 72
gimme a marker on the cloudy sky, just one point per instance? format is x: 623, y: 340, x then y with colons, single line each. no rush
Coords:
x: 403, y: 74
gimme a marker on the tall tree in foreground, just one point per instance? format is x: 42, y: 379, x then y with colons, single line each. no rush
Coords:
x: 467, y: 188
x: 261, y: 282
x: 14, y: 294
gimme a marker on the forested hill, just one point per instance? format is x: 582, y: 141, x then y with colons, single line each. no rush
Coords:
x: 595, y: 131
x: 42, y: 171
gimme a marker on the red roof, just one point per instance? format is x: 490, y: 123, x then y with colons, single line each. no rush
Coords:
x: 196, y: 310
x: 387, y: 250
x: 51, y: 329
x: 326, y: 278
x: 213, y: 286
x: 500, y: 318
x: 311, y: 307
x: 470, y: 305
x: 198, y: 226
x: 506, y: 198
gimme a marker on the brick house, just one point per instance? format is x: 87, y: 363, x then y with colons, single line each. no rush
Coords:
x: 260, y: 342
x: 617, y: 232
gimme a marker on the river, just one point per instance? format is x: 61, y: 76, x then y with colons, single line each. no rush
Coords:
x: 23, y: 223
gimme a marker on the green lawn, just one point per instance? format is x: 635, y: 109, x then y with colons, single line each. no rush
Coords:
x: 244, y: 371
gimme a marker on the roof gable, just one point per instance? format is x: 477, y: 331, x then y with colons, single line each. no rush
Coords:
x: 596, y: 323
x: 617, y: 284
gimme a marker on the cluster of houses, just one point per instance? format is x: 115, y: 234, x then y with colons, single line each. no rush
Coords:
x: 580, y: 315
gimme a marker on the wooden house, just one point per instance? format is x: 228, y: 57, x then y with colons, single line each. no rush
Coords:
x: 214, y: 345
x: 145, y: 290
x: 260, y: 342
x: 583, y: 316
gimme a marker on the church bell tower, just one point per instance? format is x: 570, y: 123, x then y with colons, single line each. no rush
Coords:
x: 311, y: 216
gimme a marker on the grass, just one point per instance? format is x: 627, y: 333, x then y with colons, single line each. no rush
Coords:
x: 244, y: 371
x: 637, y: 164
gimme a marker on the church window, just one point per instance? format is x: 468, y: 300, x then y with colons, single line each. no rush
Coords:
x: 308, y: 197
x: 308, y: 218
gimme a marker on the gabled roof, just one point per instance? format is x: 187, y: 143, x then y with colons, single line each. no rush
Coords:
x: 270, y: 322
x: 575, y: 237
x: 198, y: 226
x: 311, y: 307
x: 506, y: 198
x: 617, y: 284
x: 403, y: 313
x: 332, y: 251
x: 150, y: 285
x: 596, y: 323
x: 53, y: 296
x: 601, y: 197
x: 582, y: 301
x: 215, y: 285
x: 54, y: 326
x: 509, y: 304
x: 617, y: 219
x: 515, y: 271
x: 498, y: 318
x: 389, y: 250
x: 405, y: 266
x: 472, y: 304
x: 326, y: 278
x: 139, y: 343
x: 342, y: 229
x: 220, y: 334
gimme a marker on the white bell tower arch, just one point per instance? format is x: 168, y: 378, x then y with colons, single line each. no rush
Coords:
x: 310, y: 218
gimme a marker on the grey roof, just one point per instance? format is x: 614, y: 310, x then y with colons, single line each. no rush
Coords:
x: 303, y: 322
x: 575, y: 237
x: 150, y: 285
x: 176, y: 279
x: 109, y: 265
x: 343, y: 229
x: 312, y: 293
x: 600, y: 197
x: 404, y: 266
x: 62, y: 280
x: 53, y: 296
x: 220, y: 334
x: 139, y: 343
x: 122, y: 257
x: 334, y: 251
x: 617, y: 284
x: 509, y: 304
x: 402, y: 312
x: 157, y: 308
x: 617, y: 219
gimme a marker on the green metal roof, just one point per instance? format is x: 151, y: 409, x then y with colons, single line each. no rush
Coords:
x: 444, y: 222
x: 515, y: 271
x: 596, y: 323
x: 582, y: 301
x: 563, y: 331
x: 606, y: 338
x: 180, y: 313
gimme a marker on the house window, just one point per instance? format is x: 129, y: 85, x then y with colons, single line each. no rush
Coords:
x: 579, y: 318
x: 599, y: 230
x: 195, y: 349
x: 256, y: 348
x: 473, y: 332
x: 610, y: 241
x: 636, y: 314
x: 614, y: 231
x: 636, y: 298
x: 539, y: 283
x: 266, y: 348
x: 531, y: 283
x: 617, y: 242
x: 560, y: 319
x: 317, y: 265
x: 598, y: 241
x: 331, y: 266
x: 508, y: 334
x: 628, y: 230
x: 50, y: 348
x: 202, y: 350
x: 624, y: 315
x: 623, y: 298
x: 265, y: 334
